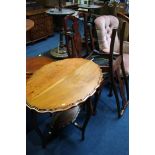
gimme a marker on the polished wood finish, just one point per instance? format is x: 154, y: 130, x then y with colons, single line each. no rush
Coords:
x: 43, y: 25
x: 35, y: 63
x: 62, y: 85
x: 29, y: 24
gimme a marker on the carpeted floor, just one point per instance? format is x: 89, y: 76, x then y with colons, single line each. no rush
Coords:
x: 105, y: 133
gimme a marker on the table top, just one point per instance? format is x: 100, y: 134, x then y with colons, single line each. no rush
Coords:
x: 91, y: 6
x: 56, y: 11
x: 29, y: 24
x: 63, y: 84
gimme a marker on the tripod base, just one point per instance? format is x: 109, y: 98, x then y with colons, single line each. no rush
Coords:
x: 59, y: 53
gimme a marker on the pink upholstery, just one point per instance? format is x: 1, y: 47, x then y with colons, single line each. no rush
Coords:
x: 105, y: 25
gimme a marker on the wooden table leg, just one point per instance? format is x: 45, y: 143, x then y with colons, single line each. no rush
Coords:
x: 36, y: 128
x: 89, y: 112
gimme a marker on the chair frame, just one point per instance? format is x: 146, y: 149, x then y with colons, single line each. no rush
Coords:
x: 115, y: 67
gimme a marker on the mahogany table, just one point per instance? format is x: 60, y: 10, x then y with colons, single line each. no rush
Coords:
x: 62, y: 85
x: 29, y: 24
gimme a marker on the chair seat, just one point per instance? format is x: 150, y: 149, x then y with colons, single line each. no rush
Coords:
x: 125, y: 48
x: 125, y: 57
x: 99, y: 60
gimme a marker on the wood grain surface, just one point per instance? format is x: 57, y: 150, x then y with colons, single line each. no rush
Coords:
x: 29, y: 24
x: 35, y: 63
x: 62, y: 84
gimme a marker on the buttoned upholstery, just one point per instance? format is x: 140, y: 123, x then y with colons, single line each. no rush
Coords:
x: 104, y: 26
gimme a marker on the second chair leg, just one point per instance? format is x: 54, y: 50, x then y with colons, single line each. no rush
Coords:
x: 89, y: 112
x: 116, y: 94
x: 122, y: 92
x: 97, y: 96
x: 125, y: 80
x: 38, y: 131
x: 88, y: 115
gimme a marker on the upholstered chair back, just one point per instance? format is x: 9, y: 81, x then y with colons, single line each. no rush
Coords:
x: 104, y: 26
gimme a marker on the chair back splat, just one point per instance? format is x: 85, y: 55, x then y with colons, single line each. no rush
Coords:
x: 76, y: 45
x: 73, y: 37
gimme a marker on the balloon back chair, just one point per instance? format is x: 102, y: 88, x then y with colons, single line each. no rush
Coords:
x: 110, y: 46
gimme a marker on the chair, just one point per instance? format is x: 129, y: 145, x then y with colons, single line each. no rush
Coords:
x: 108, y: 62
x: 76, y: 46
x: 111, y: 46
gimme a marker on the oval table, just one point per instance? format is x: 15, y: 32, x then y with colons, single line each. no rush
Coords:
x: 29, y: 24
x: 62, y: 85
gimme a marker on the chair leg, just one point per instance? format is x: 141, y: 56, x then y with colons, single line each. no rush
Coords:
x: 121, y: 86
x: 122, y: 93
x: 38, y: 131
x: 88, y: 115
x: 125, y: 80
x: 110, y: 90
x: 116, y: 94
x: 97, y: 96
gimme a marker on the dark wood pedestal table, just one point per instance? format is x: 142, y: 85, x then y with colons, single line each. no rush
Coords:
x: 89, y: 6
x: 60, y: 52
x: 63, y: 85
